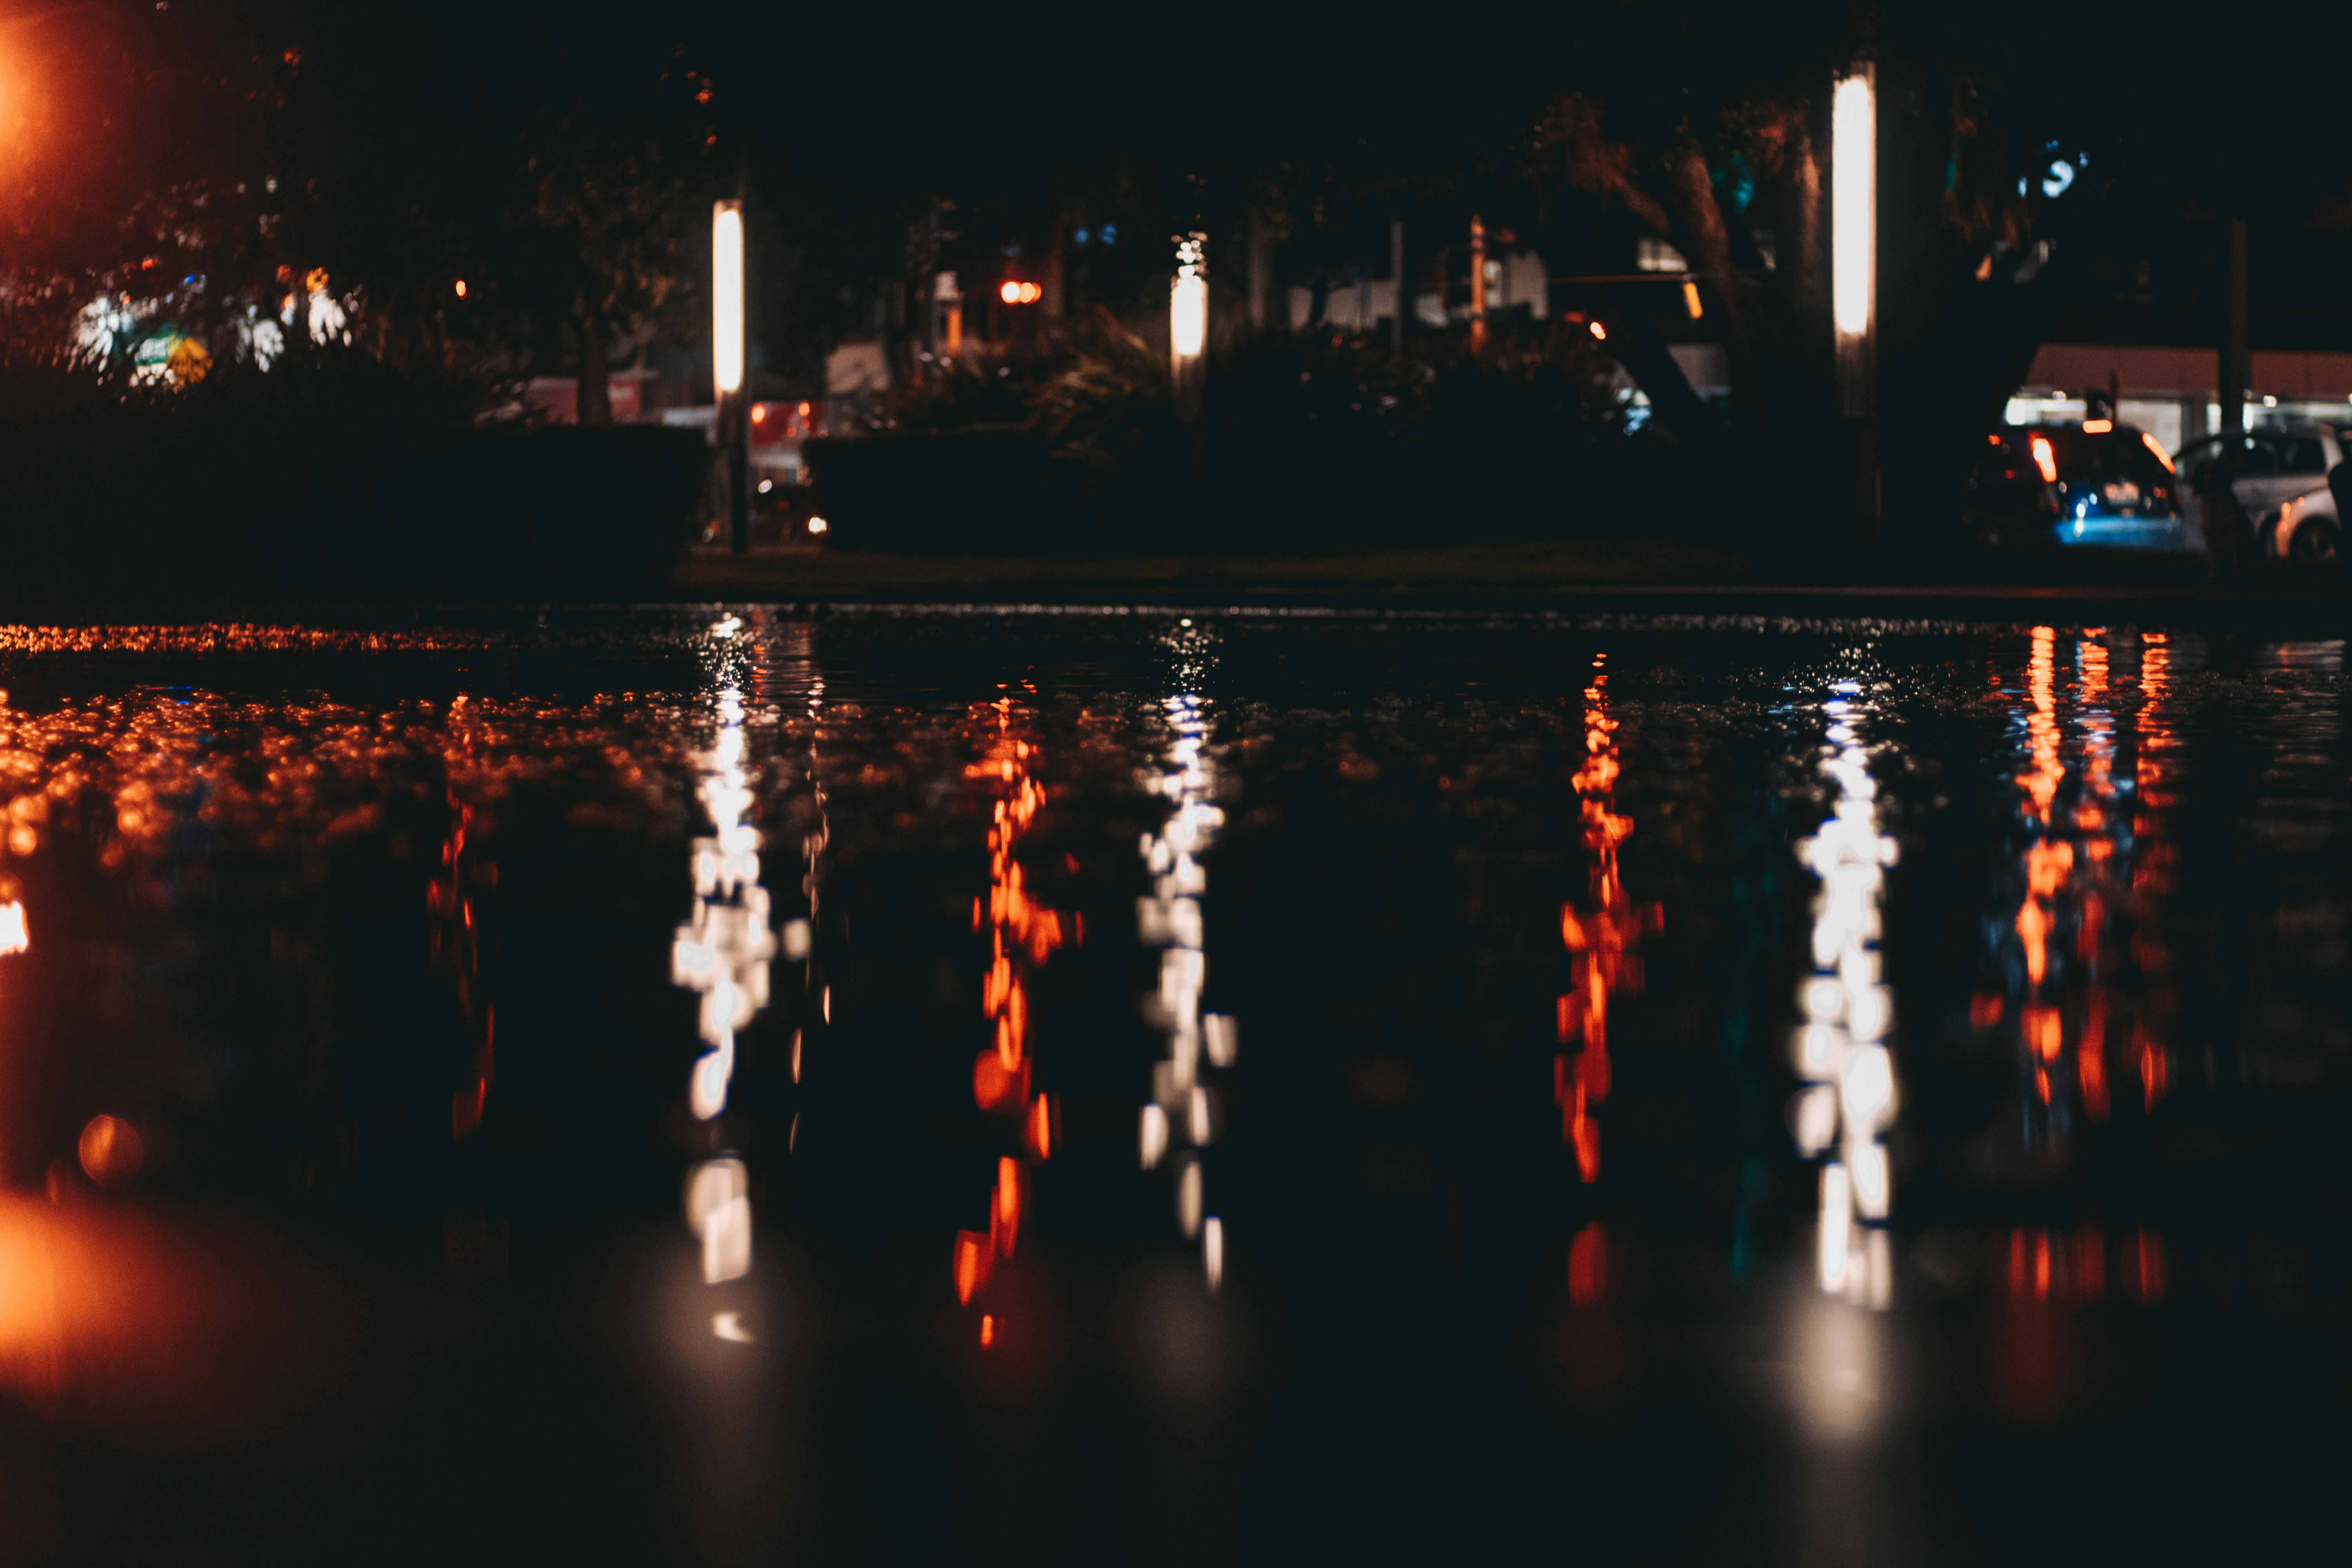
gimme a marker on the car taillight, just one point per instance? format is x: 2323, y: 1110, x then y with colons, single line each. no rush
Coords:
x: 2161, y: 455
x: 2045, y: 459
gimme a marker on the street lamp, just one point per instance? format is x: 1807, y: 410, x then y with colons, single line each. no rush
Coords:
x: 1187, y: 327
x: 727, y: 363
x: 1854, y: 278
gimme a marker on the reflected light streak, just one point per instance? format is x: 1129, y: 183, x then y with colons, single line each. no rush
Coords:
x: 1023, y: 934
x: 723, y: 951
x: 1600, y: 941
x: 1182, y: 1105
x: 1839, y: 1050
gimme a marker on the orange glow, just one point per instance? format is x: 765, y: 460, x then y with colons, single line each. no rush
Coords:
x: 987, y: 1330
x: 2091, y: 1056
x: 461, y: 287
x: 15, y: 937
x: 1600, y: 333
x: 2045, y: 459
x: 1599, y: 941
x: 1005, y: 1212
x: 2152, y: 1071
x: 2161, y: 455
x: 111, y: 1152
x: 1994, y: 439
x: 994, y: 1089
x: 1588, y: 1265
x: 1985, y: 1010
x: 975, y: 1259
x: 1023, y: 935
x: 2098, y: 427
x: 2044, y: 1034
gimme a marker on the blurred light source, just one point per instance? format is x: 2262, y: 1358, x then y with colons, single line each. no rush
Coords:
x: 818, y: 525
x: 1151, y: 1136
x: 1188, y: 324
x: 1690, y: 299
x: 2045, y: 459
x: 14, y: 936
x: 1600, y: 333
x: 1010, y: 292
x: 2097, y: 426
x: 1213, y: 1251
x: 111, y: 1152
x: 726, y: 295
x: 1188, y: 300
x: 461, y: 287
x: 1853, y: 200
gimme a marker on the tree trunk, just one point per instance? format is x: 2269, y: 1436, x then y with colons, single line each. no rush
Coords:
x: 596, y: 402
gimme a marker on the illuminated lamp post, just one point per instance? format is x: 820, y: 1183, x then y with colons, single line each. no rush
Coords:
x: 1854, y: 279
x: 727, y: 364
x: 1188, y: 327
x: 1477, y: 284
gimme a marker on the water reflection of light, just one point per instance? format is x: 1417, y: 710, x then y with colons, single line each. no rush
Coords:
x: 1600, y: 940
x: 456, y: 940
x: 2094, y: 873
x: 1183, y: 1107
x: 1023, y: 933
x: 723, y: 951
x: 1839, y: 1048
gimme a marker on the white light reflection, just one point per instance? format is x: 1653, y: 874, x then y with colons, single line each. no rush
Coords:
x: 1839, y: 1050
x: 723, y: 951
x: 1181, y: 1104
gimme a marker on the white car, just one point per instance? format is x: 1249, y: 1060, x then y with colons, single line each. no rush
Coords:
x: 2283, y: 484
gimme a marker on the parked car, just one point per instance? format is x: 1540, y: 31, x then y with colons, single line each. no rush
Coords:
x: 2095, y: 483
x: 2283, y: 484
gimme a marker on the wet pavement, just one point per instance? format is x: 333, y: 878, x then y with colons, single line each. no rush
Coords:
x: 729, y: 1084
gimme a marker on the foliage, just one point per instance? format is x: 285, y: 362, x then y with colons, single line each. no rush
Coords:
x: 1311, y: 440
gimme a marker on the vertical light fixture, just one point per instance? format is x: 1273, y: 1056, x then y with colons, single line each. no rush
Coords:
x: 1854, y: 276
x: 727, y: 363
x: 1187, y: 327
x: 1477, y: 284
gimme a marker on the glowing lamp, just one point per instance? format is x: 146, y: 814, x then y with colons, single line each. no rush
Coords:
x: 461, y: 287
x: 726, y: 295
x: 1854, y: 200
x: 2098, y: 427
x: 1600, y: 333
x: 1188, y: 300
x: 1188, y: 328
x: 1010, y: 293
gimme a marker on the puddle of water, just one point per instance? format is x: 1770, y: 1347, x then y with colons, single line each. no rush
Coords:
x: 725, y: 1085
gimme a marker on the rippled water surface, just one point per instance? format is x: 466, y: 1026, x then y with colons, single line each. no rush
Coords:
x: 729, y: 1086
